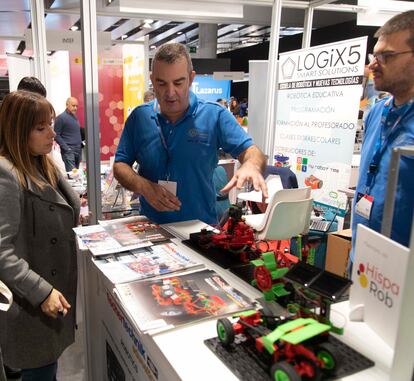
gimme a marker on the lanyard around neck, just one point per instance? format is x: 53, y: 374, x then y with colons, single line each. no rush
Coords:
x: 162, y: 138
x: 386, y: 136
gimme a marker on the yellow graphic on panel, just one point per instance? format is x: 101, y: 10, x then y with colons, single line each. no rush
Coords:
x: 133, y: 77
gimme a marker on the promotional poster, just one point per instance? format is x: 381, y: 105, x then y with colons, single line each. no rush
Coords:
x: 316, y: 116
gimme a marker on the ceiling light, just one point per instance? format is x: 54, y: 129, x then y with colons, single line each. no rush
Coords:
x: 147, y: 24
x: 73, y: 28
x: 18, y: 51
x: 373, y: 9
x: 153, y: 46
x: 48, y: 52
x: 235, y: 29
x: 124, y: 36
x: 148, y: 21
x: 244, y: 42
x: 169, y: 9
x: 179, y: 33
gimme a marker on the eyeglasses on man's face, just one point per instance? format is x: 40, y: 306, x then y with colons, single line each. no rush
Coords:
x: 383, y: 57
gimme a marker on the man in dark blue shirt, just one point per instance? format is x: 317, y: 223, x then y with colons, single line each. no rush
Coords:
x: 68, y: 135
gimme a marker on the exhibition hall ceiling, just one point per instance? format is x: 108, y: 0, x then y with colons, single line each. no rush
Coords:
x: 239, y: 23
x: 116, y: 16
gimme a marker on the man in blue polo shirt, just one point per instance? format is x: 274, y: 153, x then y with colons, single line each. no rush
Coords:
x: 389, y: 124
x: 68, y: 135
x: 175, y: 140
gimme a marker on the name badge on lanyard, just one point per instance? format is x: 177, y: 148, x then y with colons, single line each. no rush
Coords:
x: 170, y: 186
x: 363, y: 205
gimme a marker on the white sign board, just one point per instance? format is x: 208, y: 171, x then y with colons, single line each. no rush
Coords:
x: 316, y: 116
x: 378, y: 274
x: 257, y: 93
x: 68, y: 40
x: 231, y: 75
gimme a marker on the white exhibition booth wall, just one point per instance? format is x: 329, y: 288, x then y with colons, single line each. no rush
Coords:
x: 257, y: 101
x: 58, y: 84
x: 18, y: 67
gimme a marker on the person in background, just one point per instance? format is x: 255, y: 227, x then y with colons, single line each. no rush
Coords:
x: 175, y: 140
x: 243, y: 108
x: 32, y: 84
x: 38, y: 210
x: 148, y: 96
x: 235, y: 107
x: 223, y: 102
x: 389, y: 124
x: 222, y: 199
x: 68, y: 135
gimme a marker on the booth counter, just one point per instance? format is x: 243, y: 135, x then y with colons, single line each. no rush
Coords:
x: 118, y: 350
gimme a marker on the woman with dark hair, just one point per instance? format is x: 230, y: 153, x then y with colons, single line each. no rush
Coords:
x: 235, y: 107
x: 38, y: 210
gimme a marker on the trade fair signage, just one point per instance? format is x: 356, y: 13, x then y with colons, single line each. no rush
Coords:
x: 133, y: 68
x: 231, y: 75
x: 209, y: 89
x: 319, y: 91
x: 68, y: 40
x: 379, y: 273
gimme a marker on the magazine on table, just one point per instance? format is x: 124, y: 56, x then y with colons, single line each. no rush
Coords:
x: 120, y: 235
x: 160, y: 259
x: 165, y: 303
x: 135, y: 229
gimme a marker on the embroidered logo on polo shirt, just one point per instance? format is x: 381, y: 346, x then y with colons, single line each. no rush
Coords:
x: 197, y: 136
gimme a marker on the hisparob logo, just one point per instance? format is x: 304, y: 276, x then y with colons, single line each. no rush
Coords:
x: 378, y: 284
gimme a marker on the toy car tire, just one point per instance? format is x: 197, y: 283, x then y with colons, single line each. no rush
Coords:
x: 225, y: 331
x: 305, y: 363
x: 330, y: 356
x: 283, y: 371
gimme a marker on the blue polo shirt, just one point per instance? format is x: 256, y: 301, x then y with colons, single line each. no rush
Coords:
x: 404, y: 198
x: 189, y: 156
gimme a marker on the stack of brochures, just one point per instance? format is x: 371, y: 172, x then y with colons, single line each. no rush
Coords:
x: 156, y: 260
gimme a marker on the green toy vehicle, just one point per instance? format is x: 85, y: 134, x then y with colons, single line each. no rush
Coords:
x: 297, y: 350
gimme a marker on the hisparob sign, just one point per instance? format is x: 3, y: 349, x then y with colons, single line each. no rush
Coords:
x: 378, y: 274
x: 318, y: 97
